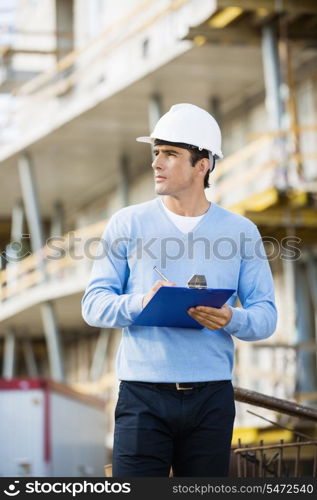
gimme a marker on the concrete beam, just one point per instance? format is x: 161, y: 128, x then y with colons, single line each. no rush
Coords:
x: 248, y: 35
x: 295, y: 6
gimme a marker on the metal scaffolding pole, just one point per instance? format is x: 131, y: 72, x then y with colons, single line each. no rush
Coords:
x: 16, y: 250
x: 29, y: 358
x: 100, y: 354
x: 154, y: 112
x: 57, y: 225
x: 311, y: 273
x: 124, y: 180
x: 272, y: 78
x: 17, y: 221
x: 306, y: 369
x: 8, y: 368
x: 53, y: 341
x: 215, y: 109
x: 31, y: 204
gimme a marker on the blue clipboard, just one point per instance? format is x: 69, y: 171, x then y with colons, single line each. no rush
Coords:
x: 168, y: 307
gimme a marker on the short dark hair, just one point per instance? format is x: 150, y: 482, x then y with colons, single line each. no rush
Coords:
x: 195, y: 154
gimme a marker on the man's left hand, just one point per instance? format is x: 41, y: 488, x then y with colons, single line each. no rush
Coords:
x: 211, y: 317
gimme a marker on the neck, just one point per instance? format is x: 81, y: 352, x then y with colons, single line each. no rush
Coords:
x: 188, y: 208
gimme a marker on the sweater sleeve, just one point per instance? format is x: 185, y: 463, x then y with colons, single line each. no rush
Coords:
x: 104, y: 303
x: 257, y: 318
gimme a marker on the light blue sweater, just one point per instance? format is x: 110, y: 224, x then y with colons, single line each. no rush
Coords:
x: 225, y: 247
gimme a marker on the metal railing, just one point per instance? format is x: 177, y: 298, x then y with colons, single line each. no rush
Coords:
x: 276, y: 404
x: 270, y: 460
x: 278, y: 459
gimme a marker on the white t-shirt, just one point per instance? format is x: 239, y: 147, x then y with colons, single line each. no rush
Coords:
x: 182, y: 222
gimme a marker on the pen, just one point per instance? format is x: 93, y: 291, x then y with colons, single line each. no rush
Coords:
x: 161, y: 274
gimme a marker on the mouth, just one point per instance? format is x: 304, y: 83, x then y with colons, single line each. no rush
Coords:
x: 159, y: 178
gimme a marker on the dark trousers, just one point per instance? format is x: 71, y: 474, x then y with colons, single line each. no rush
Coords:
x: 158, y: 427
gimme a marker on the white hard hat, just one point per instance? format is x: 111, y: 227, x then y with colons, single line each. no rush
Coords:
x: 188, y: 124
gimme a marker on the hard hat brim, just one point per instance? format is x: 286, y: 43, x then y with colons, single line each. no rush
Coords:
x: 150, y: 140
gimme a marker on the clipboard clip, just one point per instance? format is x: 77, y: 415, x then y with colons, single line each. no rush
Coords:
x: 197, y: 281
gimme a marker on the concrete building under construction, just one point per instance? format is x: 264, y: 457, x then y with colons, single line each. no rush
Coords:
x: 79, y: 81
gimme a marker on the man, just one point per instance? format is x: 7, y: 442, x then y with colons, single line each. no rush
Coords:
x: 176, y: 403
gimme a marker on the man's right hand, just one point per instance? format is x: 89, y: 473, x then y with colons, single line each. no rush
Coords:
x: 154, y: 289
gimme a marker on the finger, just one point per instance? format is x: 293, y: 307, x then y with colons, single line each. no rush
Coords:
x: 158, y: 284
x: 214, y: 311
x: 207, y: 317
x: 206, y: 314
x: 218, y: 316
x: 207, y: 321
x: 166, y: 284
x: 212, y: 325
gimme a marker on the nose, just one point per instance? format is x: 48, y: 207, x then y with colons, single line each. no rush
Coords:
x: 156, y: 163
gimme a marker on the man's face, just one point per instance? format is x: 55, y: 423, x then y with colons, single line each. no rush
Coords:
x: 173, y: 171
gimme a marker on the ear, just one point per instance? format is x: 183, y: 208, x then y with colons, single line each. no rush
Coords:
x: 204, y: 166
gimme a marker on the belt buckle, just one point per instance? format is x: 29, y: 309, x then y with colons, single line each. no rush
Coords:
x: 182, y: 388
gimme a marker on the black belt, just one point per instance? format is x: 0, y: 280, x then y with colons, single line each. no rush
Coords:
x: 182, y: 386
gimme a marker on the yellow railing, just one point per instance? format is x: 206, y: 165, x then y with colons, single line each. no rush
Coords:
x: 50, y: 262
x: 254, y: 168
x: 110, y: 39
